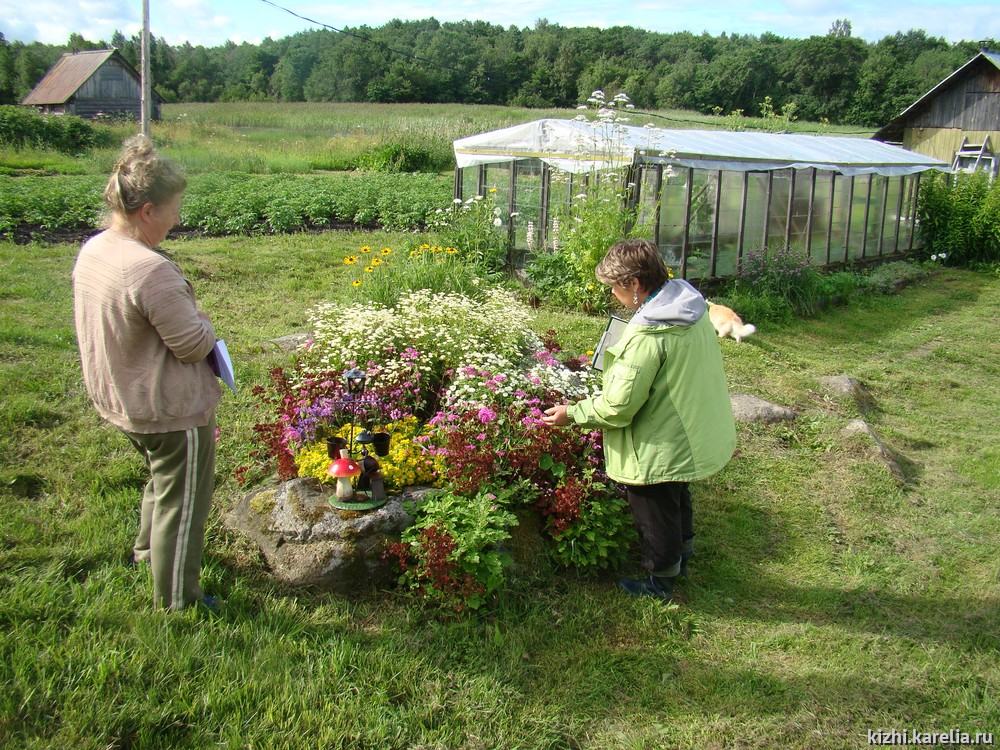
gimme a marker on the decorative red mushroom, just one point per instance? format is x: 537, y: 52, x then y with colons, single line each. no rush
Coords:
x: 343, y: 469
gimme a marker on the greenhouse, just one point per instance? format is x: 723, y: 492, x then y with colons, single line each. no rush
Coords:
x: 707, y: 197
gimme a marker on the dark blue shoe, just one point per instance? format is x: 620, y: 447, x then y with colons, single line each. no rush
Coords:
x: 654, y: 587
x: 211, y: 603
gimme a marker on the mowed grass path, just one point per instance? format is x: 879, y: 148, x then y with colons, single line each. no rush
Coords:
x: 825, y: 599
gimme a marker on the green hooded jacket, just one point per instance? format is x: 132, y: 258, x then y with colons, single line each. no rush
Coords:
x: 664, y: 409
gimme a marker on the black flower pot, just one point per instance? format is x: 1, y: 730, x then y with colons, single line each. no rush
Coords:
x: 380, y: 442
x: 334, y: 445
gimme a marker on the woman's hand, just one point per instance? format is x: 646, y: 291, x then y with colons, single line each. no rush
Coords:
x: 556, y: 416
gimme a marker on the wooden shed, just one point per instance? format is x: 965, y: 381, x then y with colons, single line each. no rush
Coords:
x: 958, y: 121
x: 88, y: 84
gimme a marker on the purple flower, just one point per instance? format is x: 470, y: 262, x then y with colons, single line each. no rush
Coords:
x: 487, y: 415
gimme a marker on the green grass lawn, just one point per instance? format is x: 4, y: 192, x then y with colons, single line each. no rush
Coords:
x: 825, y: 599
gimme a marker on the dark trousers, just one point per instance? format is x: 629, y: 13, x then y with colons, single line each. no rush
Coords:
x: 663, y: 517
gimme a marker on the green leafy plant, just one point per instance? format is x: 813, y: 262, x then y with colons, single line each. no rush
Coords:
x: 959, y: 219
x: 449, y: 556
x: 238, y: 203
x: 590, y: 524
x: 478, y: 228
x: 781, y: 275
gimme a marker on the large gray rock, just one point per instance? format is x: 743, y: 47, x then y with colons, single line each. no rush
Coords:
x: 879, y: 450
x: 753, y: 409
x: 843, y: 386
x: 308, y: 542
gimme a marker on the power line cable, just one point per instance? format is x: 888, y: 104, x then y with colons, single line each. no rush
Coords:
x: 386, y: 47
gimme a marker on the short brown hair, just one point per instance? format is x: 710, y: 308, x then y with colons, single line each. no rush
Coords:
x: 633, y: 259
x: 142, y: 176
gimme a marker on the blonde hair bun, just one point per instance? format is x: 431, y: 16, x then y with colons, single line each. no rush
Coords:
x: 142, y: 176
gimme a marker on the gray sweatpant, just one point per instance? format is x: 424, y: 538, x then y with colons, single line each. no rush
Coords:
x: 175, y: 505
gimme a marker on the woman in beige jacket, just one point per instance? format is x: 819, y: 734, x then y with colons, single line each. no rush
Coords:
x: 144, y: 346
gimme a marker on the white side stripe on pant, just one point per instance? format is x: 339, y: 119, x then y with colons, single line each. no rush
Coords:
x: 184, y: 527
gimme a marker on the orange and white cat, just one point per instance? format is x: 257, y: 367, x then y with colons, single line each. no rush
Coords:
x: 727, y: 323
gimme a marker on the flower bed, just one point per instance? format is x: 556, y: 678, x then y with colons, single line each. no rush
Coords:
x: 460, y: 383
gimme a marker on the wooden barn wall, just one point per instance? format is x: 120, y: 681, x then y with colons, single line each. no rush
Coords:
x: 112, y: 89
x: 970, y: 104
x: 942, y: 143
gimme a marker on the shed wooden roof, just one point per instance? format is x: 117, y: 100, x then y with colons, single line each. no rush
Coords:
x: 893, y: 130
x: 70, y: 72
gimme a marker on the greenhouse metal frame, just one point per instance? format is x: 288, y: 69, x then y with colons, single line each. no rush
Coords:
x: 708, y: 197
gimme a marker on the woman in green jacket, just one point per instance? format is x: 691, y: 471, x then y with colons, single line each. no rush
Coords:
x: 664, y: 408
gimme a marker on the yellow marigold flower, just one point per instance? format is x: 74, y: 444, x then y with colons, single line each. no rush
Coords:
x: 493, y: 190
x: 366, y: 249
x: 451, y: 250
x: 350, y: 259
x: 425, y: 246
x: 376, y: 261
x: 356, y: 282
x: 369, y: 269
x: 386, y: 251
x: 436, y: 249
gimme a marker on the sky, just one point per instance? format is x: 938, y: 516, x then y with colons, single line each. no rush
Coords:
x: 212, y: 22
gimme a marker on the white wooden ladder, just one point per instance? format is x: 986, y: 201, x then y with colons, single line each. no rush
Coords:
x: 971, y: 157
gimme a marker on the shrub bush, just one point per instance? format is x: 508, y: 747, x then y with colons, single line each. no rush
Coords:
x: 883, y: 279
x: 21, y: 127
x: 959, y: 219
x: 401, y: 157
x: 784, y: 274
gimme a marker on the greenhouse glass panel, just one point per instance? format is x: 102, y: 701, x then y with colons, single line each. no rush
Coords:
x: 701, y: 227
x: 907, y: 224
x: 729, y: 223
x: 892, y: 215
x: 673, y: 213
x: 470, y: 181
x: 648, y: 198
x: 799, y: 214
x: 777, y: 210
x: 822, y: 203
x: 753, y: 227
x: 857, y: 217
x: 839, y: 225
x: 875, y: 215
x: 527, y: 205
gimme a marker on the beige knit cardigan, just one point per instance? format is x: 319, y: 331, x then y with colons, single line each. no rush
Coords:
x: 143, y: 341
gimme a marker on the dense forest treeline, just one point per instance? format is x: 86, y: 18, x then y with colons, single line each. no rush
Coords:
x: 836, y: 77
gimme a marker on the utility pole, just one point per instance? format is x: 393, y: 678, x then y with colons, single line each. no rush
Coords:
x: 146, y: 99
